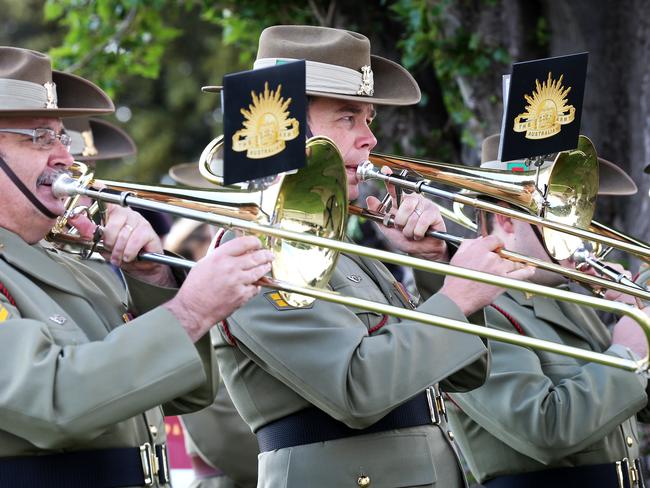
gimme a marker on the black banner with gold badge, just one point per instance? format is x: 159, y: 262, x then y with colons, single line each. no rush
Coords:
x: 544, y: 106
x: 264, y: 122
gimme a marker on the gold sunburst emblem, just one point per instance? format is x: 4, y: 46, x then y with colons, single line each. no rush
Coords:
x: 546, y: 111
x: 267, y: 126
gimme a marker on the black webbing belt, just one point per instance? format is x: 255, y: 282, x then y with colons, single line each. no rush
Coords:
x: 313, y: 425
x: 102, y: 468
x: 610, y: 475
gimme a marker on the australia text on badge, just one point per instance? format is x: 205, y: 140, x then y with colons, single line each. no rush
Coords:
x: 546, y: 111
x: 267, y: 125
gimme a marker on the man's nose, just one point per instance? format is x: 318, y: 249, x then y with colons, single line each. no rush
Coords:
x: 60, y: 156
x: 366, y: 140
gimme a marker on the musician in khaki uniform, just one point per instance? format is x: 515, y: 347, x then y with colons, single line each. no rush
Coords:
x: 339, y: 396
x: 542, y: 419
x: 80, y: 390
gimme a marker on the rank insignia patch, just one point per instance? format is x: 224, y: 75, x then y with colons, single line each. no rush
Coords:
x: 279, y: 303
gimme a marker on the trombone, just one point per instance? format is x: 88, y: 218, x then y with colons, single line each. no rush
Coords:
x: 560, y: 198
x: 210, y: 167
x: 620, y: 282
x: 299, y: 227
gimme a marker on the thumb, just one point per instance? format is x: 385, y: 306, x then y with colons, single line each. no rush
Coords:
x: 373, y: 203
x: 84, y: 225
x: 522, y: 274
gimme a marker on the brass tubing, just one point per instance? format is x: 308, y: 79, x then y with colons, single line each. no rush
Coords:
x: 68, y: 186
x: 421, y: 186
x: 578, y: 276
x: 452, y: 324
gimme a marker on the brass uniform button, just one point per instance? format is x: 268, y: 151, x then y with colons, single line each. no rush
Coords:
x: 154, y: 431
x: 630, y: 441
x: 451, y: 435
x: 363, y: 481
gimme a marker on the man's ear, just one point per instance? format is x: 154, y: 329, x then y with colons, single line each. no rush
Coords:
x: 505, y: 223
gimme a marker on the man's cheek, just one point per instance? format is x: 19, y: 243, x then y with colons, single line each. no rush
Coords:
x: 353, y: 191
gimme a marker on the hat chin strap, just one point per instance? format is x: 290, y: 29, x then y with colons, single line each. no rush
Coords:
x: 23, y: 189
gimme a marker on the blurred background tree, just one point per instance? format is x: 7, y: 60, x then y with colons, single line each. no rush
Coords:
x: 153, y: 55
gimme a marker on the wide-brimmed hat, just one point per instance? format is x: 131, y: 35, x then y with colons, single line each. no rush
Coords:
x: 612, y: 179
x: 95, y: 140
x: 338, y: 65
x: 30, y: 88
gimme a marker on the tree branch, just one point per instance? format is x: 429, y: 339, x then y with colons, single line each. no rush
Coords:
x: 121, y: 31
x: 317, y: 13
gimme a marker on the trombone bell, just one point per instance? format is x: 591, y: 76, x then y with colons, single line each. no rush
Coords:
x: 563, y: 193
x: 313, y: 201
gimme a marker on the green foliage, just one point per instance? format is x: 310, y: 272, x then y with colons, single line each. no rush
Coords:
x: 542, y: 32
x: 453, y: 53
x: 107, y: 39
x: 242, y: 21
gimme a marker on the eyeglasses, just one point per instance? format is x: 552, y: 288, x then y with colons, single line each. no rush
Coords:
x: 42, y: 137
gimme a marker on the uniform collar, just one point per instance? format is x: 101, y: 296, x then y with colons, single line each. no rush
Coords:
x: 548, y: 310
x: 34, y: 260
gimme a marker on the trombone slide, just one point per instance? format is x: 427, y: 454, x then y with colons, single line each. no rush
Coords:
x: 65, y: 185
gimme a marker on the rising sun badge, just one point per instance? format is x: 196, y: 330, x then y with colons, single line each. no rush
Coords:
x: 546, y: 111
x: 267, y: 125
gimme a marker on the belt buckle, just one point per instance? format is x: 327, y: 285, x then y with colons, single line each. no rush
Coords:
x: 629, y: 474
x: 148, y: 463
x: 436, y: 404
x: 639, y: 471
x: 163, y: 464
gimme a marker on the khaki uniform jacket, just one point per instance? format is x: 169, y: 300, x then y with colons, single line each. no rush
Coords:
x: 222, y: 439
x: 73, y: 377
x: 541, y: 410
x: 356, y: 366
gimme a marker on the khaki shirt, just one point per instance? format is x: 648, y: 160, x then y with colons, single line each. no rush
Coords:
x: 541, y: 410
x: 73, y: 376
x: 356, y: 366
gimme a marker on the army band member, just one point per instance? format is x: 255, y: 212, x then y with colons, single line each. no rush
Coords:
x: 542, y: 419
x: 338, y: 396
x: 80, y: 392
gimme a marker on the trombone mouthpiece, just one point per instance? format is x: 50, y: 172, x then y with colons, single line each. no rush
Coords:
x: 366, y: 171
x: 64, y: 186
